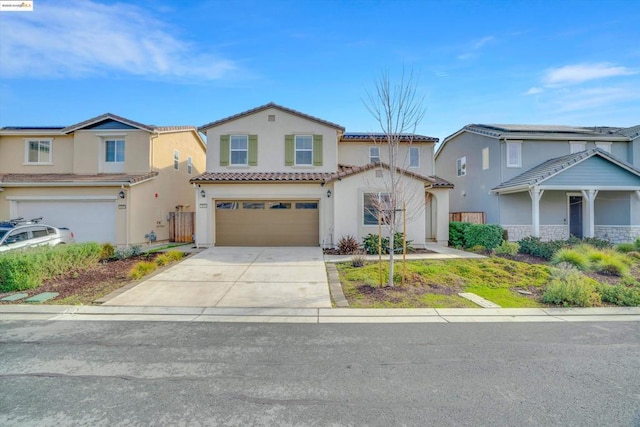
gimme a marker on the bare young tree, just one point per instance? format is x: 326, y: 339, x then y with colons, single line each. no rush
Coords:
x: 398, y: 109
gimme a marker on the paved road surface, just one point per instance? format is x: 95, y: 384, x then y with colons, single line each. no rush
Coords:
x: 165, y: 373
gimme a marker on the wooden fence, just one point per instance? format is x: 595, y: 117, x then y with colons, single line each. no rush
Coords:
x: 181, y: 227
x: 472, y: 217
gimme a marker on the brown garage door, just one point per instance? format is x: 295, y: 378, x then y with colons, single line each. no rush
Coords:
x: 266, y: 223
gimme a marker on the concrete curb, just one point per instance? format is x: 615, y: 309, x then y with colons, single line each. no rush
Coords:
x: 316, y: 315
x: 335, y: 286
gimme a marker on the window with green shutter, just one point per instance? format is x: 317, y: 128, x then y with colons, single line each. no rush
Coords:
x: 253, y: 150
x: 224, y: 150
x: 317, y: 150
x: 289, y: 150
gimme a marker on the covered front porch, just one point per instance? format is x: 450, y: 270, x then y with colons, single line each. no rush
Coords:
x: 587, y: 194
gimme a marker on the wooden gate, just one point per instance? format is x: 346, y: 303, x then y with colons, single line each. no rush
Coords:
x: 181, y: 227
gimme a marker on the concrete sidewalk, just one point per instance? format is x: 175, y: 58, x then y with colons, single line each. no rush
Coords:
x: 315, y: 315
x: 439, y: 252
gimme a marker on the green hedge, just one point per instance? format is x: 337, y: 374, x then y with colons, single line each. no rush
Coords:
x: 467, y: 235
x: 20, y: 270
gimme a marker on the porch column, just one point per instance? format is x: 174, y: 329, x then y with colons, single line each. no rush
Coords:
x: 590, y: 197
x: 536, y: 195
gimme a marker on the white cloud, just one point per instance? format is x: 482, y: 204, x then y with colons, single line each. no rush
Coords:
x: 477, y: 44
x: 534, y: 91
x: 84, y: 38
x: 579, y: 73
x: 587, y: 99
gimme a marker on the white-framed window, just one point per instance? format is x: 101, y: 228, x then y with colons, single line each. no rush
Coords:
x: 485, y: 158
x: 461, y: 166
x: 38, y: 151
x: 189, y: 165
x: 304, y: 150
x: 604, y: 146
x: 239, y: 146
x: 514, y: 154
x: 176, y: 159
x: 414, y: 157
x: 374, y: 205
x: 577, y: 146
x: 114, y: 150
x: 374, y: 154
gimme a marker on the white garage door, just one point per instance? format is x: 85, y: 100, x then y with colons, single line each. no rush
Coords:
x: 90, y: 221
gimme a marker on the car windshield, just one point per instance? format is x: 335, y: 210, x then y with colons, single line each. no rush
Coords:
x: 3, y: 231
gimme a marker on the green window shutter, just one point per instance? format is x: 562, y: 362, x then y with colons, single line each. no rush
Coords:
x: 253, y: 150
x: 317, y: 150
x: 224, y: 150
x: 289, y: 150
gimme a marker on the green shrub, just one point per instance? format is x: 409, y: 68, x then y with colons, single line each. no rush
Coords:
x: 358, y: 259
x: 141, y: 269
x: 619, y: 294
x: 637, y: 244
x: 625, y: 247
x: 348, y: 245
x: 370, y: 243
x: 168, y: 257
x: 397, y: 243
x: 507, y: 248
x: 107, y: 251
x: 487, y: 235
x: 20, y: 270
x: 612, y: 265
x: 574, y: 289
x: 128, y: 252
x: 592, y: 241
x: 634, y: 254
x: 477, y: 249
x: 457, y: 231
x: 571, y: 256
x: 534, y: 246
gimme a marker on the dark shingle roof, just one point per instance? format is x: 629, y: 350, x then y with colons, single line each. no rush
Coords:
x: 108, y: 116
x: 115, y: 178
x: 554, y: 166
x: 499, y: 130
x: 203, y: 128
x: 403, y: 137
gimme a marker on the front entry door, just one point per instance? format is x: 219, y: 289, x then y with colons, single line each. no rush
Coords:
x: 575, y: 216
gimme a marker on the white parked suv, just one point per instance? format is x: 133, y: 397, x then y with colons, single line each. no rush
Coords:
x: 19, y: 233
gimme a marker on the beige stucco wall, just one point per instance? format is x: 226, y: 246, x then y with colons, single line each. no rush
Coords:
x: 89, y: 151
x: 357, y: 153
x: 349, y: 200
x: 271, y: 142
x: 205, y: 209
x: 13, y: 154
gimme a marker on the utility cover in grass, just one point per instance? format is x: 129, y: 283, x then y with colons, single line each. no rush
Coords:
x: 14, y: 297
x: 42, y: 297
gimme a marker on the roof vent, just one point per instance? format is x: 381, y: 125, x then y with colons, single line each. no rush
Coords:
x: 271, y: 118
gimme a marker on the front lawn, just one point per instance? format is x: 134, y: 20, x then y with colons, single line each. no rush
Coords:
x: 437, y: 283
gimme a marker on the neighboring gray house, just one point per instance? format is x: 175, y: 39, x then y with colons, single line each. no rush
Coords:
x: 547, y: 181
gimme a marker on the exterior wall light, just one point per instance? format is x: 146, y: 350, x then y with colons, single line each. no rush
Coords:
x: 121, y: 194
x: 328, y: 193
x: 203, y: 194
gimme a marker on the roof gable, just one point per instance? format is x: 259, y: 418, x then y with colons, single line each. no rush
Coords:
x: 110, y: 121
x: 264, y: 107
x: 591, y: 171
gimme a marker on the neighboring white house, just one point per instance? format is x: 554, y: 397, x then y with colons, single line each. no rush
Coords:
x: 278, y: 177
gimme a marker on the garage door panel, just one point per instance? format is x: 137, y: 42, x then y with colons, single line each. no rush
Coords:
x: 267, y: 223
x: 88, y: 220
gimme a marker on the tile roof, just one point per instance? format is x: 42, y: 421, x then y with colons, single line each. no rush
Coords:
x: 262, y: 177
x: 203, y: 128
x: 115, y: 178
x: 403, y: 137
x: 343, y: 171
x: 174, y: 128
x: 551, y: 167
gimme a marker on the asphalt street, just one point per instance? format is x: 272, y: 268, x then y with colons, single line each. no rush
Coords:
x: 169, y: 373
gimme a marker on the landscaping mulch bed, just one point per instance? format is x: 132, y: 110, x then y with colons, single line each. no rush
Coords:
x: 87, y: 285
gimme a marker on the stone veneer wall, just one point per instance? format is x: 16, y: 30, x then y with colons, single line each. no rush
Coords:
x: 617, y: 233
x: 547, y: 232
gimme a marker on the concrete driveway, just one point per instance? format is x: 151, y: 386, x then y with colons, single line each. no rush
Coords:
x: 237, y: 277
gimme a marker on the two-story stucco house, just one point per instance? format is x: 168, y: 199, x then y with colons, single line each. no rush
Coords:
x: 547, y: 181
x: 279, y: 177
x: 109, y: 179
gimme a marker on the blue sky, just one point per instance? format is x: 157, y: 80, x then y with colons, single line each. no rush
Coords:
x: 189, y: 63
